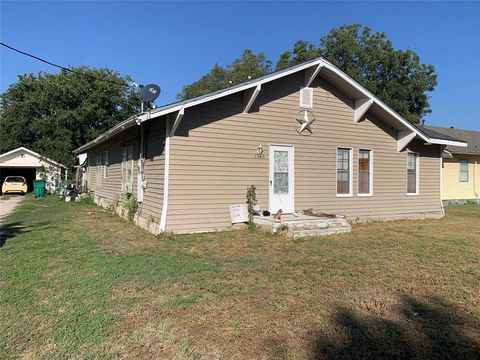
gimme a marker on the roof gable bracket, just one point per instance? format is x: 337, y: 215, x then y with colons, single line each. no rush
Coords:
x: 361, y: 107
x: 404, y: 138
x: 311, y: 73
x: 249, y: 97
x: 178, y: 119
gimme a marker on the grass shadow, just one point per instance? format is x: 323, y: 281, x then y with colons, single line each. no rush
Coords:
x: 420, y: 329
x: 13, y: 229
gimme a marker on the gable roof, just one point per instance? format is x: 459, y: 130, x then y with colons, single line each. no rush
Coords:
x: 470, y: 136
x: 33, y: 153
x: 315, y: 66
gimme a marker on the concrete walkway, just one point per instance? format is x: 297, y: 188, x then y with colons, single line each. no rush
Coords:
x: 7, y: 206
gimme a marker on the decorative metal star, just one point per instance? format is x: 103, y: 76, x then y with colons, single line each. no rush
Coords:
x: 305, y: 122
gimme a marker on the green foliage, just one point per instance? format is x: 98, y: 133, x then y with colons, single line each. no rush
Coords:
x: 248, y: 66
x: 395, y: 76
x: 86, y: 200
x: 130, y: 204
x: 55, y: 113
x: 282, y: 229
x: 251, y: 202
x: 308, y: 211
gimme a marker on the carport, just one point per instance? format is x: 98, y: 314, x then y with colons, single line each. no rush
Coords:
x: 30, y: 165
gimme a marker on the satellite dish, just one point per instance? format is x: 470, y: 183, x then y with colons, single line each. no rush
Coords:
x: 148, y: 93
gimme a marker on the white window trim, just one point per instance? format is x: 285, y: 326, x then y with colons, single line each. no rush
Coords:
x: 350, y: 172
x: 370, y: 175
x: 417, y: 174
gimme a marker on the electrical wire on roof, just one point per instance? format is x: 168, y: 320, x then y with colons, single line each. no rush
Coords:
x: 60, y: 66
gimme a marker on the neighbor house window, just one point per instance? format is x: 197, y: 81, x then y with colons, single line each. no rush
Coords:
x: 412, y: 173
x: 464, y: 170
x: 344, y: 172
x: 105, y: 164
x: 364, y: 172
x: 98, y: 177
x: 127, y: 168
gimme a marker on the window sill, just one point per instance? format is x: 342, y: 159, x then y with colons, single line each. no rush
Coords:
x: 413, y: 194
x: 369, y: 194
x: 344, y: 195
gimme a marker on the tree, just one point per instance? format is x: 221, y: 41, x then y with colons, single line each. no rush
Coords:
x: 55, y: 113
x: 395, y: 76
x: 248, y: 66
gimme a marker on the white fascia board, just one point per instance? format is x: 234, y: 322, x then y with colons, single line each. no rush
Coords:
x: 249, y: 97
x: 404, y: 138
x: 369, y: 95
x: 116, y: 129
x: 231, y: 91
x: 361, y: 107
x: 178, y: 119
x: 311, y: 73
x: 317, y: 65
x: 20, y: 149
x: 33, y: 153
x: 447, y: 142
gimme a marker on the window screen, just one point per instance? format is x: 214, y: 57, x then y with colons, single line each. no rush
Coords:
x: 343, y: 171
x: 364, y: 169
x: 464, y: 170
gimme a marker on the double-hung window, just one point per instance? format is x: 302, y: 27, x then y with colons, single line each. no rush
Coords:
x: 412, y: 173
x: 463, y: 171
x: 105, y: 164
x: 344, y: 172
x: 127, y: 169
x: 364, y: 172
x: 98, y: 177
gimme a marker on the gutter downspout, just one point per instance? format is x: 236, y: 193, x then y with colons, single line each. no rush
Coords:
x: 441, y: 179
x: 166, y: 176
x: 475, y: 179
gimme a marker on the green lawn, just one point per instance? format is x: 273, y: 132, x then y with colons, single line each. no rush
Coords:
x: 78, y: 283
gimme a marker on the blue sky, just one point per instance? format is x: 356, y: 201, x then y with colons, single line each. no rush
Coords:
x: 174, y: 43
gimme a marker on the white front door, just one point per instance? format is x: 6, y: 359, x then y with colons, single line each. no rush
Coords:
x: 281, y: 179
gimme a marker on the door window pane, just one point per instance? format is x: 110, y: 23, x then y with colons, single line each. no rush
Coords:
x: 280, y: 172
x: 280, y: 183
x: 280, y: 161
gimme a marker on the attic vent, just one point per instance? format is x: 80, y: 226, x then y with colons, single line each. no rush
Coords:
x: 306, y: 98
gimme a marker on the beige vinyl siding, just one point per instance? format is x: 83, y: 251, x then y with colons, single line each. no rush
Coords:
x: 213, y: 158
x: 154, y: 170
x: 111, y: 188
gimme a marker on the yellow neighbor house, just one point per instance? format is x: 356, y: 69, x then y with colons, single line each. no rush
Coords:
x: 461, y: 166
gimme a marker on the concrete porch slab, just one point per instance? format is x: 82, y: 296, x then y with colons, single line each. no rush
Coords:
x: 305, y: 225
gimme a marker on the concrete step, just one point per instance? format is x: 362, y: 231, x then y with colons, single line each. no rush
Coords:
x: 320, y: 227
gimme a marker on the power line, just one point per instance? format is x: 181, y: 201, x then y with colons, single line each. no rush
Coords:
x: 60, y: 66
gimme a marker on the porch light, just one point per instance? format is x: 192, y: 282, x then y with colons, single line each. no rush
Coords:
x: 259, y: 154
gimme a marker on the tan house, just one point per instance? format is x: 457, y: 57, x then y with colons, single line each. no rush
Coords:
x: 307, y: 137
x: 461, y: 166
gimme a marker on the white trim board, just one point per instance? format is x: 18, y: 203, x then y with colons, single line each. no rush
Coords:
x: 312, y: 67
